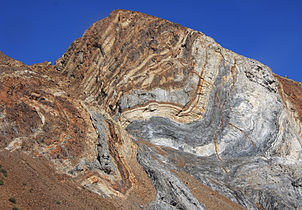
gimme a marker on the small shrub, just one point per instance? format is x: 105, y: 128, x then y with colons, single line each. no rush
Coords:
x: 1, y: 182
x: 13, y: 200
x: 4, y: 172
x: 58, y: 202
x: 15, y: 208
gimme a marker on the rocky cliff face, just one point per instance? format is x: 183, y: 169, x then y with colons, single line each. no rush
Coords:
x: 150, y: 114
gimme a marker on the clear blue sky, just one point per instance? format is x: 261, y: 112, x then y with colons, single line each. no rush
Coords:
x: 270, y: 31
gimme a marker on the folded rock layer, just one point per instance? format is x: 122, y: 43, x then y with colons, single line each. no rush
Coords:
x: 150, y: 114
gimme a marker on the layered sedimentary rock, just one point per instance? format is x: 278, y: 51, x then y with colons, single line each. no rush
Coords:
x: 154, y: 115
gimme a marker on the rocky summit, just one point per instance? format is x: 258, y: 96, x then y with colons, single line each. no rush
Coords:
x: 143, y: 113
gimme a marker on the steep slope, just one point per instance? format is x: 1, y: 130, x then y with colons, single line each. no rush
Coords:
x: 150, y: 114
x: 34, y: 185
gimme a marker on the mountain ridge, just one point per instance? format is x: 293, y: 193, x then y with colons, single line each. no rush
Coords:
x: 140, y: 110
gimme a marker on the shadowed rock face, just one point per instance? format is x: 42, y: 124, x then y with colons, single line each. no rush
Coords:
x: 154, y: 115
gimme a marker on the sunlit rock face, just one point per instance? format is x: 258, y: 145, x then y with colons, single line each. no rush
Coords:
x: 154, y: 115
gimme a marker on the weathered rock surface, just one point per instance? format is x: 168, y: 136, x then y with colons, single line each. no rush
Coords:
x: 150, y: 114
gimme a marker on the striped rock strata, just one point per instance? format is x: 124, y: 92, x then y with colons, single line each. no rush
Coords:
x: 154, y: 115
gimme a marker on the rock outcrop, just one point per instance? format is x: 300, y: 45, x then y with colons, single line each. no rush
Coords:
x: 150, y: 114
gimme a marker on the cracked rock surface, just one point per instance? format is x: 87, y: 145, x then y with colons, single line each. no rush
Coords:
x: 150, y: 114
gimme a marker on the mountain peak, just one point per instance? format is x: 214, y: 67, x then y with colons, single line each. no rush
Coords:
x: 150, y: 114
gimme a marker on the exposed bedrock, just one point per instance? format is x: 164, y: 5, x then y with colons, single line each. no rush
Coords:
x: 154, y: 115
